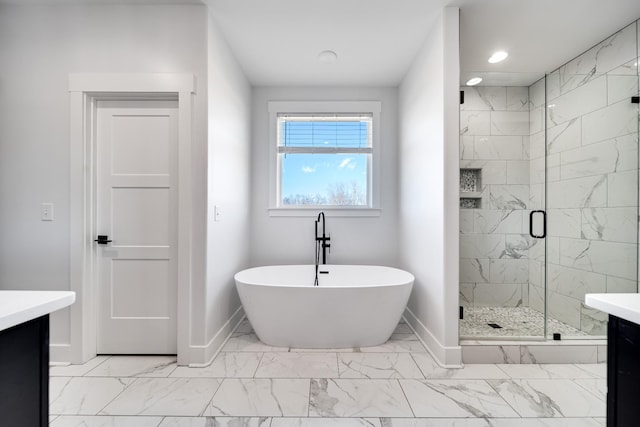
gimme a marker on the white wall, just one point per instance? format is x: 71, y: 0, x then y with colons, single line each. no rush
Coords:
x: 39, y: 47
x: 355, y: 240
x: 428, y: 216
x: 228, y: 189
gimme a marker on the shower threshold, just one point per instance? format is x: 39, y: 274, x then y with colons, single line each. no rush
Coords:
x: 520, y: 338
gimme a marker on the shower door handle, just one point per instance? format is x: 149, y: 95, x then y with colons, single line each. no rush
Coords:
x: 544, y: 224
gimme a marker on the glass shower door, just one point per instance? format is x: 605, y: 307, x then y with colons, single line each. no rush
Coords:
x: 592, y: 183
x: 537, y: 220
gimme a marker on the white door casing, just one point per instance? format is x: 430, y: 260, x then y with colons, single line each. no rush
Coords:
x: 136, y: 199
x: 85, y: 90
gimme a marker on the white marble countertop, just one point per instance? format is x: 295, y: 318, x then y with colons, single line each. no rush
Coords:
x: 624, y: 306
x: 21, y: 306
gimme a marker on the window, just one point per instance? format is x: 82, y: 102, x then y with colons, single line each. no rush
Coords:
x: 324, y: 159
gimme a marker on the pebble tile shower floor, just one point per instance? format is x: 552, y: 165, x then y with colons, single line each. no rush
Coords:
x: 513, y: 322
x: 397, y: 384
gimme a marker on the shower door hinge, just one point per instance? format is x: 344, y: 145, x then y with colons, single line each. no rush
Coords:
x: 635, y: 99
x: 461, y: 312
x: 461, y: 97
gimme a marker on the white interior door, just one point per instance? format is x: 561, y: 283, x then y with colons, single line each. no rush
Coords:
x: 137, y: 209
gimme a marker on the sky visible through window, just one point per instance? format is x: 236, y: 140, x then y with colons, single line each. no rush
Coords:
x: 318, y: 177
x: 324, y: 177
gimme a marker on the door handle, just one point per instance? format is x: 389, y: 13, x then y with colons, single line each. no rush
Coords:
x: 103, y: 240
x: 544, y: 224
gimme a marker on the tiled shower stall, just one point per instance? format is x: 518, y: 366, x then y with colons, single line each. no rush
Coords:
x: 579, y: 163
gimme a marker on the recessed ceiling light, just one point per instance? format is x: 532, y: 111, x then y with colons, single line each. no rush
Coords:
x: 498, y: 56
x: 474, y: 81
x: 327, y: 56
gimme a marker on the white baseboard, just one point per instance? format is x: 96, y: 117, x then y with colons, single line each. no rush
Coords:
x: 203, y: 355
x: 447, y: 357
x: 199, y: 355
x: 60, y: 353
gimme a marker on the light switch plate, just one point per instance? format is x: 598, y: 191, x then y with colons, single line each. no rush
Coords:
x: 46, y: 212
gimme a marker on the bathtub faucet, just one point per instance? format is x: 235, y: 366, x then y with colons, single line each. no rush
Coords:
x: 321, y: 242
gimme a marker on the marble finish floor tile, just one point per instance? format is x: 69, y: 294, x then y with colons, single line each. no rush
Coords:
x: 357, y: 398
x: 225, y: 365
x: 326, y: 422
x: 249, y: 342
x: 598, y: 387
x: 402, y: 328
x: 216, y: 422
x: 397, y: 343
x: 437, y: 422
x: 164, y: 396
x: 378, y: 365
x: 244, y: 327
x: 56, y: 386
x: 599, y: 370
x: 431, y: 369
x: 455, y: 398
x: 82, y: 395
x: 298, y: 365
x: 549, y: 398
x: 383, y: 386
x: 325, y: 350
x: 491, y: 422
x: 546, y: 422
x: 135, y: 366
x: 546, y: 371
x: 76, y: 370
x: 261, y: 397
x: 105, y: 421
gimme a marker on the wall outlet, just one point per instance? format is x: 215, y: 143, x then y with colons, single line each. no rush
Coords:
x: 46, y: 212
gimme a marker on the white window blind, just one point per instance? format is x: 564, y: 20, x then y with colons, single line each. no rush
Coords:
x: 325, y: 133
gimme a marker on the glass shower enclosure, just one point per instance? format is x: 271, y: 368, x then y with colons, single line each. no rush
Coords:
x: 549, y: 196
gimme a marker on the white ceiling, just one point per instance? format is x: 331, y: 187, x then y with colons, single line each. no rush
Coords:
x: 540, y: 35
x: 277, y: 41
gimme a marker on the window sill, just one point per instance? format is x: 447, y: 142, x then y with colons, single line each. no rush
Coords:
x: 329, y: 211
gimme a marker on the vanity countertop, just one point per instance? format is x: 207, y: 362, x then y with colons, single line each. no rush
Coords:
x: 624, y: 306
x: 17, y: 307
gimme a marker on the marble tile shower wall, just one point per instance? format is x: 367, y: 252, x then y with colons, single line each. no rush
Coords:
x: 592, y: 174
x: 494, y: 244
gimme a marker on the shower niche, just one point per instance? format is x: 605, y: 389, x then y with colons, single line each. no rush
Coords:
x: 470, y: 188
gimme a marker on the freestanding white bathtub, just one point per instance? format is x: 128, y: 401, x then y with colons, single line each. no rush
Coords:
x: 353, y: 306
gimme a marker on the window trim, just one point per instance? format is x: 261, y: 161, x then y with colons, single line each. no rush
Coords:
x: 317, y: 107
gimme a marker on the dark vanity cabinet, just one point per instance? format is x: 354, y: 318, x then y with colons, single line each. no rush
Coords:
x: 24, y: 374
x: 623, y: 373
